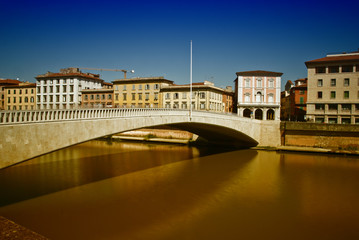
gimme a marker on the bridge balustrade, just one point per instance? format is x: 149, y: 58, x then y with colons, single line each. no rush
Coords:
x: 31, y: 116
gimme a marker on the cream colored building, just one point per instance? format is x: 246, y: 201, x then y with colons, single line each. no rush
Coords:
x: 333, y: 89
x: 20, y: 97
x: 139, y: 92
x: 205, y: 96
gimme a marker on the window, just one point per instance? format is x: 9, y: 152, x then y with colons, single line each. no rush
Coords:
x: 270, y: 98
x: 97, y: 97
x: 156, y: 97
x: 168, y: 96
x: 64, y: 89
x: 116, y: 96
x: 184, y: 95
x: 346, y: 82
x: 57, y: 98
x: 26, y: 99
x: 116, y: 87
x: 156, y: 86
x: 332, y: 94
x: 71, y: 88
x: 133, y: 87
x: 86, y: 97
x: 320, y: 70
x: 346, y: 94
x: 333, y: 106
x: 63, y: 99
x: 51, y: 89
x: 51, y: 98
x: 147, y: 87
x: 175, y: 96
x: 301, y: 92
x: 332, y: 120
x: 247, y: 97
x: 32, y: 99
x: 57, y: 89
x: 20, y: 91
x: 45, y: 88
x: 259, y: 82
x: 124, y: 87
x: 271, y: 83
x: 356, y: 107
x: 202, y: 105
x: 92, y: 97
x: 320, y: 83
x: 319, y: 106
x: 301, y: 100
x: 140, y: 96
x: 14, y: 100
x: 346, y: 121
x: 125, y: 97
x: 71, y: 98
x: 8, y: 100
x: 346, y: 107
x: 202, y: 95
x: 333, y: 69
x: 320, y: 95
x: 333, y: 82
x: 347, y: 68
x: 133, y: 96
x: 247, y: 82
x: 140, y: 87
x: 147, y: 96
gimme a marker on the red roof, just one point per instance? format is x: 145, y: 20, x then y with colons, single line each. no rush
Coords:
x: 335, y: 58
x: 260, y: 73
x: 54, y: 75
x: 9, y: 82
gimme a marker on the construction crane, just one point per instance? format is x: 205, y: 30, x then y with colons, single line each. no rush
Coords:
x: 114, y: 70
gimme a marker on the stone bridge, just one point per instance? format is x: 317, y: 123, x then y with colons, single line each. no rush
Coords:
x: 27, y: 134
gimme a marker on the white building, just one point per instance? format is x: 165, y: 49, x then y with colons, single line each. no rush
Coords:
x: 258, y: 94
x: 63, y: 90
x: 205, y: 96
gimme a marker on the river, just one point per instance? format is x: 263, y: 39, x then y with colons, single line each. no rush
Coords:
x: 128, y: 190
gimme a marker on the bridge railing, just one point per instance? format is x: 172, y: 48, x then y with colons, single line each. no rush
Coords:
x: 31, y: 116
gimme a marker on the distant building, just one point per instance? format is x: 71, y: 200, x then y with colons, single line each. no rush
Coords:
x: 298, y: 100
x: 257, y: 94
x: 205, y: 96
x: 97, y: 98
x: 333, y: 89
x: 20, y: 97
x: 5, y: 83
x: 63, y: 90
x: 139, y: 92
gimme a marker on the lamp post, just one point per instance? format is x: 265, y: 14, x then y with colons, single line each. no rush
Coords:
x: 190, y: 85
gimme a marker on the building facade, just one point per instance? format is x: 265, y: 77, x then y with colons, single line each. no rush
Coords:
x: 333, y: 89
x: 205, y: 96
x: 20, y: 97
x: 97, y: 98
x: 63, y: 90
x: 4, y: 83
x: 257, y: 94
x: 298, y: 100
x: 139, y: 92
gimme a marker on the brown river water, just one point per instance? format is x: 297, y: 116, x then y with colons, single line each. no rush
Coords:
x: 127, y: 190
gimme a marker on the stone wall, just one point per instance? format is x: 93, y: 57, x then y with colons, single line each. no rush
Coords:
x: 333, y: 136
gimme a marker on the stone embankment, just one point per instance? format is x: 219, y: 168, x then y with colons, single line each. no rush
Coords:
x: 10, y: 231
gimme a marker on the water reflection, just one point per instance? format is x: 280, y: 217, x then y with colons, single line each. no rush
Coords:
x: 82, y: 164
x: 232, y: 195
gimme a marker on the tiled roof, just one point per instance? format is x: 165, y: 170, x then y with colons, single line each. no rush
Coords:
x: 56, y: 75
x: 30, y: 85
x: 260, y: 73
x: 9, y: 81
x: 335, y: 58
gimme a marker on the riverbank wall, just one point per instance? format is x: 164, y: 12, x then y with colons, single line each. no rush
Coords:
x: 318, y: 135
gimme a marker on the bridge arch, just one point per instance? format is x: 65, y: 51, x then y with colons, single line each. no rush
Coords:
x: 27, y: 134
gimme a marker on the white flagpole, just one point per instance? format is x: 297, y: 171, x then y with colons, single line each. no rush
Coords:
x: 190, y: 108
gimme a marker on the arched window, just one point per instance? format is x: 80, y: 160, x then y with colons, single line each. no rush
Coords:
x: 258, y: 114
x: 247, y: 113
x: 270, y: 114
x: 259, y: 97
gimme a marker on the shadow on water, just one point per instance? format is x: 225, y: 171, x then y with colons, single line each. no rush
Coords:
x: 69, y: 168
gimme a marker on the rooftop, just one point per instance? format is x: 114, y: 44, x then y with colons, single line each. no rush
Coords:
x: 344, y: 57
x: 260, y: 73
x: 70, y: 72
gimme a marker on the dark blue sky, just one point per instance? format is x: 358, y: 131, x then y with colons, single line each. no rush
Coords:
x: 153, y: 37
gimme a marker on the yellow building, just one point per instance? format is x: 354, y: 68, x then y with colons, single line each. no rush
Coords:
x: 5, y: 83
x: 20, y: 97
x: 139, y: 92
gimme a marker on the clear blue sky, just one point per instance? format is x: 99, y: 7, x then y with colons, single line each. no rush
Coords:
x: 153, y: 37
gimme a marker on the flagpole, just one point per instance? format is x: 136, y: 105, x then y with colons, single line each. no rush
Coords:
x: 190, y: 88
